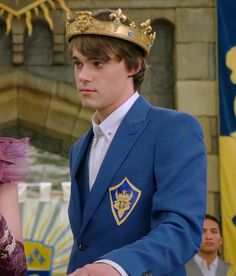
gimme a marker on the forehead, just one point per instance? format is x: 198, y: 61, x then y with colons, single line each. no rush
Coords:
x: 76, y: 54
x: 90, y: 43
x: 91, y: 46
x: 210, y: 224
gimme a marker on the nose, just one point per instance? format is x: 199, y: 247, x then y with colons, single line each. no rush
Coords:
x: 208, y: 236
x: 83, y: 74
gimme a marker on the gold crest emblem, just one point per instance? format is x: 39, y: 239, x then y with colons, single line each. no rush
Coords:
x: 123, y: 198
x: 38, y: 256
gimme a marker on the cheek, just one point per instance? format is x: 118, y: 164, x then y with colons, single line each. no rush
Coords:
x: 203, y: 238
x: 220, y: 241
x: 76, y: 76
x: 117, y: 74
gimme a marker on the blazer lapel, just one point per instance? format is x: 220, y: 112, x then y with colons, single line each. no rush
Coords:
x: 126, y: 136
x: 79, y: 153
x: 222, y: 267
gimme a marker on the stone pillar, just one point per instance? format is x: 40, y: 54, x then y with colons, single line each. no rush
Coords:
x: 58, y: 48
x: 196, y: 87
x: 17, y: 41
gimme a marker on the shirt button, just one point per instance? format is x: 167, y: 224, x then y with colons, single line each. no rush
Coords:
x: 81, y: 246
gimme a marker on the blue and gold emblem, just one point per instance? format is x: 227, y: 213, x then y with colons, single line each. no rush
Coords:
x: 231, y: 64
x: 47, y: 236
x: 39, y: 258
x: 227, y: 118
x: 123, y: 198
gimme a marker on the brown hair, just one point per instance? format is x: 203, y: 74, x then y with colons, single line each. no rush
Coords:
x: 99, y: 47
x: 210, y: 217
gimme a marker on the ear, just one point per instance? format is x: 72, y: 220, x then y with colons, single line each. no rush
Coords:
x: 136, y: 68
x: 221, y: 241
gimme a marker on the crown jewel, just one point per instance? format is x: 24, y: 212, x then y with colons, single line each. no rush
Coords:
x: 85, y: 23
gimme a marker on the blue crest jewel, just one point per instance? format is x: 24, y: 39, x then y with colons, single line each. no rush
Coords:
x: 123, y: 198
x: 130, y: 33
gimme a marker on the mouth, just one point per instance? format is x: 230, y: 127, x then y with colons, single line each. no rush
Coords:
x: 208, y: 244
x: 86, y: 91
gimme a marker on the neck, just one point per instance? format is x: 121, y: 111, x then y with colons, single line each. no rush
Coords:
x: 101, y: 114
x: 208, y: 257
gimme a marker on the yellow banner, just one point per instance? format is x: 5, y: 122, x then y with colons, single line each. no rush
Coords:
x: 228, y: 196
x: 47, y: 236
x: 28, y: 9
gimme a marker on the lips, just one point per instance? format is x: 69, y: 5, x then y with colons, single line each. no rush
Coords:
x: 86, y: 91
x: 209, y: 243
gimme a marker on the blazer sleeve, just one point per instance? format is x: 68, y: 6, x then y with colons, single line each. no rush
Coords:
x: 178, y: 205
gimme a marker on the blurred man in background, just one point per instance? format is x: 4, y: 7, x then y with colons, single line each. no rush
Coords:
x: 207, y: 261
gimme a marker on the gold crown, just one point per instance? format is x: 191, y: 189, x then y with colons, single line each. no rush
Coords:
x: 84, y: 23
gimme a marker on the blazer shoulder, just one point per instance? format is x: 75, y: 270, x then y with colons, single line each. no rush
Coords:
x: 170, y: 113
x: 170, y: 117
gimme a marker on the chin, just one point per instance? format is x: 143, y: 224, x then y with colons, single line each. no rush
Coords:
x: 209, y: 250
x: 87, y: 103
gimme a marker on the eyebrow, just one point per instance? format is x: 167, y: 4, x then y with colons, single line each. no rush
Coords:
x: 214, y: 228
x: 74, y: 58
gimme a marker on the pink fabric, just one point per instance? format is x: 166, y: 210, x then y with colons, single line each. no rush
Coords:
x: 12, y: 257
x: 13, y: 168
x: 13, y: 165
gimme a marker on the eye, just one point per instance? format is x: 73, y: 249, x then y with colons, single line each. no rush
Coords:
x: 77, y: 64
x: 98, y: 63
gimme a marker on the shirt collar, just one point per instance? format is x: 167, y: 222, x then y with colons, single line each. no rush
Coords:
x: 201, y: 262
x: 109, y: 126
x: 215, y: 262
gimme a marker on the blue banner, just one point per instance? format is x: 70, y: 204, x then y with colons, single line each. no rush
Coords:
x: 226, y: 24
x: 226, y: 11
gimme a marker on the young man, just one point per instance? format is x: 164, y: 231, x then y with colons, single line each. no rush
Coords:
x: 207, y: 261
x: 139, y: 174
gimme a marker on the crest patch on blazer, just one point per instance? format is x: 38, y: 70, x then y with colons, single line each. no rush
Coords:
x: 123, y: 198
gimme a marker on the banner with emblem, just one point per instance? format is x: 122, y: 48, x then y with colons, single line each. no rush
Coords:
x: 226, y: 24
x: 28, y: 9
x: 47, y: 236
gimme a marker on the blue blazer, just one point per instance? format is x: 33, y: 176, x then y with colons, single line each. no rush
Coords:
x: 146, y: 208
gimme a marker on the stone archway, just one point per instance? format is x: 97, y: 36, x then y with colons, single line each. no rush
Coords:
x: 5, y: 48
x: 38, y: 48
x: 51, y: 108
x: 159, y: 83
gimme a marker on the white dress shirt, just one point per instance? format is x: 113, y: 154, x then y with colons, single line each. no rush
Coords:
x: 205, y: 269
x: 106, y: 131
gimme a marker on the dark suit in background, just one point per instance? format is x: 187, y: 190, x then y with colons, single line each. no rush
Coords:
x: 192, y: 268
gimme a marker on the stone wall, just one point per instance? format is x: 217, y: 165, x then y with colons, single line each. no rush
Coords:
x: 196, y: 87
